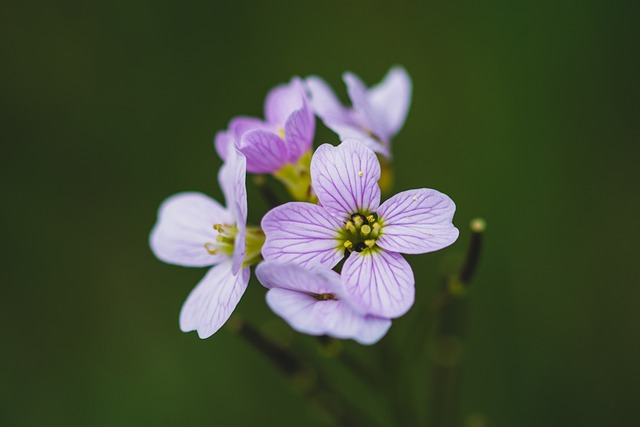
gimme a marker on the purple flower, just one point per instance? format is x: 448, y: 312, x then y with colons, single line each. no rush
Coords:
x: 194, y: 230
x: 310, y: 299
x: 377, y: 114
x: 283, y: 138
x: 350, y: 220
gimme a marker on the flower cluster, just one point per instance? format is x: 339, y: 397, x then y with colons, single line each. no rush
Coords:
x: 336, y: 215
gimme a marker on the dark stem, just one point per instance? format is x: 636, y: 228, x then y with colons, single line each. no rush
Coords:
x: 302, y: 376
x: 267, y: 193
x: 451, y: 329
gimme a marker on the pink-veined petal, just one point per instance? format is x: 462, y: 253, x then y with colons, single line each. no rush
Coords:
x: 311, y: 278
x: 299, y: 130
x: 232, y: 178
x: 302, y: 233
x: 306, y: 314
x: 325, y: 103
x: 212, y: 301
x: 345, y: 178
x: 265, y: 151
x: 358, y: 95
x: 185, y: 226
x: 379, y: 282
x: 417, y: 221
x: 390, y: 99
x: 356, y: 132
x: 283, y: 100
x: 243, y: 124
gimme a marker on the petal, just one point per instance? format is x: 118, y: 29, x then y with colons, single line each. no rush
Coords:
x: 355, y: 132
x: 345, y: 178
x: 265, y: 151
x: 308, y: 315
x: 185, y: 225
x: 380, y: 283
x: 390, y: 99
x: 282, y: 101
x: 212, y: 301
x: 417, y: 221
x: 232, y: 178
x: 241, y: 125
x: 221, y: 143
x: 358, y: 95
x: 299, y: 130
x: 301, y: 233
x: 312, y: 278
x: 325, y: 103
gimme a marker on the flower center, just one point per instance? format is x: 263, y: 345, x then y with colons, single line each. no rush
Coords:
x: 225, y: 242
x: 361, y: 232
x: 324, y: 297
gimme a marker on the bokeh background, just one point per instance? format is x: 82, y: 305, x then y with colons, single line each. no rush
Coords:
x: 525, y: 114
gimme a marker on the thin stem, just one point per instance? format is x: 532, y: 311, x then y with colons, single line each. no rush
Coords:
x: 450, y: 333
x: 302, y: 376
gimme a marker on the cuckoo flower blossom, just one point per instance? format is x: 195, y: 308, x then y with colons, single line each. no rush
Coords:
x: 282, y: 138
x: 377, y: 113
x: 194, y: 230
x: 350, y: 220
x: 311, y: 300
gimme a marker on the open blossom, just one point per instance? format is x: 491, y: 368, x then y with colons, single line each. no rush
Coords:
x: 349, y: 219
x: 312, y: 301
x: 282, y: 138
x: 377, y: 114
x: 194, y: 230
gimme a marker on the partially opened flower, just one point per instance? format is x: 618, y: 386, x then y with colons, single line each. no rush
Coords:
x: 282, y: 138
x: 350, y: 220
x: 377, y: 114
x: 194, y: 230
x: 312, y: 301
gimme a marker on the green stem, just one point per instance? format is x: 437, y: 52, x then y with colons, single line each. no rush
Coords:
x: 450, y: 332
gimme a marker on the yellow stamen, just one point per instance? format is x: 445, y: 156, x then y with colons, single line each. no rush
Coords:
x: 218, y: 228
x: 348, y: 244
x: 365, y: 230
x: 358, y: 221
x: 211, y: 248
x: 370, y: 243
x: 281, y: 132
x: 350, y: 226
x: 376, y: 226
x: 370, y: 218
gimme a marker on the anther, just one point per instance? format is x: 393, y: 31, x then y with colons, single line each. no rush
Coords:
x: 371, y: 218
x: 376, y: 226
x: 370, y: 243
x: 211, y: 248
x: 348, y: 245
x: 350, y: 226
x: 358, y: 220
x: 218, y: 228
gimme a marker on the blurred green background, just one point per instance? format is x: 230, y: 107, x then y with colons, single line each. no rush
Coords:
x: 525, y: 114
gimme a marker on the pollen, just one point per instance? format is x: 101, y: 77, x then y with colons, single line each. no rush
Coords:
x: 281, y: 132
x: 359, y: 173
x: 414, y: 198
x: 348, y: 244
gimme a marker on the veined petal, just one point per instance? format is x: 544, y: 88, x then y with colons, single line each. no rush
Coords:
x: 358, y: 95
x: 265, y: 151
x: 308, y: 315
x: 356, y: 132
x: 242, y: 124
x: 299, y: 130
x: 345, y: 178
x: 222, y: 141
x: 185, y: 226
x: 283, y: 100
x: 325, y: 103
x: 380, y: 283
x: 312, y: 278
x: 232, y: 178
x: 417, y: 221
x: 301, y: 233
x: 212, y: 301
x: 390, y: 99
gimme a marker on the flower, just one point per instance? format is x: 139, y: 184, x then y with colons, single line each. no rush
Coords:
x: 311, y: 300
x: 283, y: 138
x: 194, y: 230
x: 350, y: 220
x: 377, y: 114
